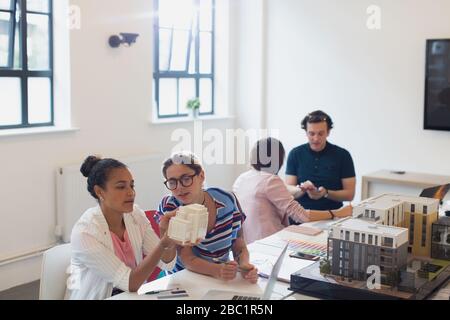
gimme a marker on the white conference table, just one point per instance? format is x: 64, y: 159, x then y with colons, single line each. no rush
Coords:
x: 197, y: 285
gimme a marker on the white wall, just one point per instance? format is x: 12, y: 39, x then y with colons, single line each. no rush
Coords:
x: 321, y: 54
x: 249, y: 60
x: 111, y: 100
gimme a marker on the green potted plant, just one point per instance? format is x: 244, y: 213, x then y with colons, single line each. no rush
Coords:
x: 193, y: 105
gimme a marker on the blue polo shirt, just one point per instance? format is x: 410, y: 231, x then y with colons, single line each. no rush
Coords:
x: 324, y: 168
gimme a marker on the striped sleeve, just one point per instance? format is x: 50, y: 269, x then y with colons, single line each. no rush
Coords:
x: 238, y: 216
x: 277, y: 193
x: 167, y: 204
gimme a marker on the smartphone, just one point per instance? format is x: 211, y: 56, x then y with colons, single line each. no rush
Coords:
x: 173, y: 294
x: 301, y: 255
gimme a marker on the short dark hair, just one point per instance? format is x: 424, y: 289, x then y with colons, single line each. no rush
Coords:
x: 97, y: 171
x: 316, y: 117
x: 185, y: 157
x: 266, y: 149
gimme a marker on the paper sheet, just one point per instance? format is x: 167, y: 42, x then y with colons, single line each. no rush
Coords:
x: 264, y: 261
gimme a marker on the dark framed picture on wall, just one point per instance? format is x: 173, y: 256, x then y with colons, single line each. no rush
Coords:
x: 437, y: 85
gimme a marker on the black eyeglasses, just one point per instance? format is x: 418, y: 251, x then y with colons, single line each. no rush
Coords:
x: 185, y: 180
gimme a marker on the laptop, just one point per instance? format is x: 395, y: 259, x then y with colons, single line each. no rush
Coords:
x: 236, y: 295
x: 437, y: 192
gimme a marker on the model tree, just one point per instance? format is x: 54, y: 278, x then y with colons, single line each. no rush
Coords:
x: 325, y: 266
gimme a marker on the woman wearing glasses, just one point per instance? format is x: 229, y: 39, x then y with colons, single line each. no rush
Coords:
x: 184, y: 178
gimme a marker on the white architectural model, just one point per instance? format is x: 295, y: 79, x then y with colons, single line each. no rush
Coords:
x: 189, y: 224
x: 364, y: 232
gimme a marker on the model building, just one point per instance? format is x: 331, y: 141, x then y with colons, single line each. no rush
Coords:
x: 189, y: 224
x: 415, y: 213
x: 395, y: 233
x: 440, y: 239
x: 355, y: 244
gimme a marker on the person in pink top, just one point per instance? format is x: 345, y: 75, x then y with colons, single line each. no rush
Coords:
x: 264, y: 196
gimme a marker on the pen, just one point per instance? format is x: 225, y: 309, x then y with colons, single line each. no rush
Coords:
x: 160, y: 291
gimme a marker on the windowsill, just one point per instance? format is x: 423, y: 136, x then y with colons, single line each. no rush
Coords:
x: 190, y: 119
x: 34, y: 131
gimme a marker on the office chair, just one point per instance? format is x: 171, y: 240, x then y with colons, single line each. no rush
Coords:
x: 150, y: 214
x: 55, y: 262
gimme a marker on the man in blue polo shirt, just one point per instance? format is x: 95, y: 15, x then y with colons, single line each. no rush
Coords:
x: 324, y: 171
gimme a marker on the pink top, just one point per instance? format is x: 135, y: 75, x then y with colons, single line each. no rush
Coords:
x: 267, y: 204
x: 123, y: 249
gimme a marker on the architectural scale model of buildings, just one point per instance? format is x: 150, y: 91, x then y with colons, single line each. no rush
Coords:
x: 189, y: 224
x: 355, y: 244
x: 398, y: 238
x: 417, y: 214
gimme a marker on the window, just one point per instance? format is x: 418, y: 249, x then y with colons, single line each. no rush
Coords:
x: 387, y: 242
x: 370, y: 238
x: 347, y: 235
x: 184, y: 56
x: 411, y: 229
x: 372, y: 214
x: 26, y: 63
x: 356, y: 236
x: 424, y: 230
x: 363, y: 238
x: 425, y: 209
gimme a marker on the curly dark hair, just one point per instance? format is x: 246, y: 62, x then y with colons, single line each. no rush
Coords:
x: 316, y: 117
x: 97, y: 171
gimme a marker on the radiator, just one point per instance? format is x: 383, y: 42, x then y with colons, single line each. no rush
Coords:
x: 72, y: 197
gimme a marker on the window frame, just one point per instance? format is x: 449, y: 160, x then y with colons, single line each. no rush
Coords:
x: 179, y: 75
x: 24, y: 73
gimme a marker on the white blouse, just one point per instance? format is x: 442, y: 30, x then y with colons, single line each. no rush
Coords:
x: 95, y: 269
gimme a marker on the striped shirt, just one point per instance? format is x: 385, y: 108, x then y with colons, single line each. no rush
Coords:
x: 219, y: 240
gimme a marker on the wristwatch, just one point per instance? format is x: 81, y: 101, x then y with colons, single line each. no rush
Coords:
x: 326, y: 194
x: 332, y: 214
